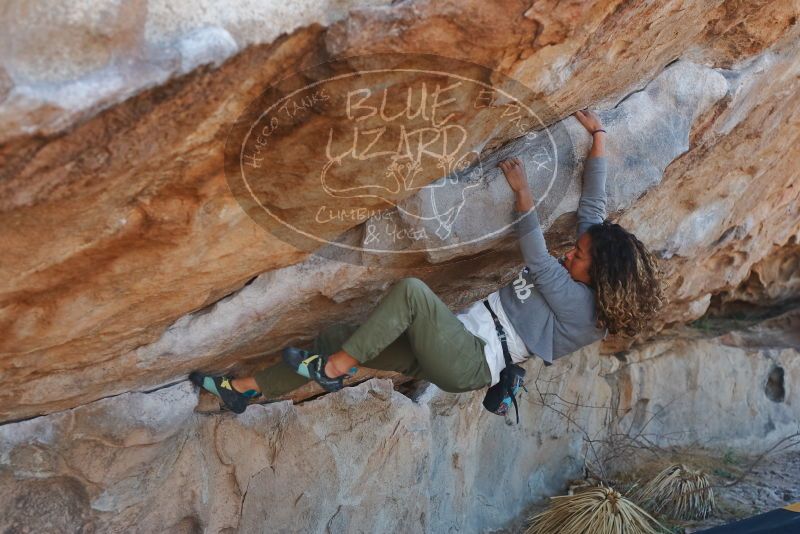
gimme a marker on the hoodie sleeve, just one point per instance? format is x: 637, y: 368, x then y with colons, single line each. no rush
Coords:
x: 592, y: 205
x: 553, y: 281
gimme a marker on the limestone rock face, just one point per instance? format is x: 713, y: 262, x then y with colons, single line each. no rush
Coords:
x: 129, y: 258
x: 773, y: 281
x: 63, y: 63
x: 147, y: 459
x: 119, y: 230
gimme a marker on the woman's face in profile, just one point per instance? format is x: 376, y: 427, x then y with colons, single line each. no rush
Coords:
x: 578, y: 260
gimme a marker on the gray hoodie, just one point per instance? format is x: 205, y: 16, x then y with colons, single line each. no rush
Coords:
x: 553, y: 313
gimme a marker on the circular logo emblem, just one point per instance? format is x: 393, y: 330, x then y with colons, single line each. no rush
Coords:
x: 393, y: 155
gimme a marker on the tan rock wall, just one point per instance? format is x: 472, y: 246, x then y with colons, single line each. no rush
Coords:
x: 126, y: 261
x: 369, y: 459
x: 120, y: 226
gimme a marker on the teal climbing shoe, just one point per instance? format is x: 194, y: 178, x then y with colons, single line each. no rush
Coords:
x: 221, y: 386
x: 312, y: 366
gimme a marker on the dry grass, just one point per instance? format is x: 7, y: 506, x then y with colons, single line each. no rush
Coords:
x: 599, y: 510
x: 679, y: 493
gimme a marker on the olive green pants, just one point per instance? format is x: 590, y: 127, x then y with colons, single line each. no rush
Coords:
x: 411, y: 331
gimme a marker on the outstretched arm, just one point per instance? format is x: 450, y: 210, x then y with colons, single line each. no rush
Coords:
x: 592, y: 205
x: 551, y: 279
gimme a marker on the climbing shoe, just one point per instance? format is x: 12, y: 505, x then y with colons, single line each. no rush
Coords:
x: 312, y: 366
x: 221, y: 386
x: 502, y: 395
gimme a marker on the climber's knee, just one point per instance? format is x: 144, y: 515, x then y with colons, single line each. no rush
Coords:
x: 413, y: 285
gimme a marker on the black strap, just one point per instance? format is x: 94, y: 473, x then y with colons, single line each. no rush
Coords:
x: 506, y: 354
x: 500, y: 333
x: 516, y: 408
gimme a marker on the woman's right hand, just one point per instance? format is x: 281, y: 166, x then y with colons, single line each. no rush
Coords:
x: 590, y: 120
x: 514, y: 171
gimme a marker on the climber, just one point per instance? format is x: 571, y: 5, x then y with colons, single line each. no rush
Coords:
x: 607, y: 283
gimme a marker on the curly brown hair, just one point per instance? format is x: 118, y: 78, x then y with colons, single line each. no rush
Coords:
x: 627, y: 277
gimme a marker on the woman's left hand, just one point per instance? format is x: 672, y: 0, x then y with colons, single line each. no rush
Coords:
x: 590, y: 120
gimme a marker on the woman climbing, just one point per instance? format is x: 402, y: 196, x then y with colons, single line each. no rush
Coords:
x: 608, y: 283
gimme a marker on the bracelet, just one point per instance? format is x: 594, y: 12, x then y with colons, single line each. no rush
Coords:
x: 599, y: 130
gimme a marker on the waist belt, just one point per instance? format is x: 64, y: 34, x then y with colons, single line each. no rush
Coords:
x: 500, y: 332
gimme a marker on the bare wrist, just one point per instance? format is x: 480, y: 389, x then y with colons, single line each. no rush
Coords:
x: 524, y: 200
x: 598, y: 144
